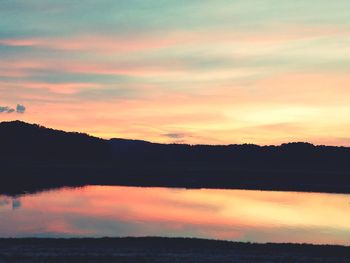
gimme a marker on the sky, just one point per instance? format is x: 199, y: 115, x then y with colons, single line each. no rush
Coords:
x: 197, y: 72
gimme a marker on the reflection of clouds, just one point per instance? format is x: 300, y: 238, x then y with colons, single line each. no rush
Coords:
x: 297, y: 234
x: 8, y: 203
x: 220, y: 214
x: 4, y: 201
x: 16, y: 203
x: 104, y: 227
x: 97, y: 226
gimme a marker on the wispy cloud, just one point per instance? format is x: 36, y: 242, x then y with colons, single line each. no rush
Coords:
x: 174, y: 135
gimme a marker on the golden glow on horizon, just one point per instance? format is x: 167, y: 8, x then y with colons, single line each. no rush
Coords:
x: 283, y: 112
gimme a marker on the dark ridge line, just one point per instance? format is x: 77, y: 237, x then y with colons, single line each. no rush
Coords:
x: 34, y: 158
x: 35, y: 125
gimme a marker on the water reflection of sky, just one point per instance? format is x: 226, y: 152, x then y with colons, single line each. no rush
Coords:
x: 221, y: 214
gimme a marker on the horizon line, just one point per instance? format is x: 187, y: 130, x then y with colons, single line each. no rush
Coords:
x: 175, y: 143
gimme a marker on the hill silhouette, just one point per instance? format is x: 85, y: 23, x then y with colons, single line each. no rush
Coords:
x: 33, y: 157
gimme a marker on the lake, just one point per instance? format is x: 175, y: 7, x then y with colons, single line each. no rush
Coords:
x: 239, y: 215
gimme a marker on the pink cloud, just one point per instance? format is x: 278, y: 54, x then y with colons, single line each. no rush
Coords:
x: 94, y: 42
x: 23, y: 67
x: 142, y: 42
x: 59, y: 88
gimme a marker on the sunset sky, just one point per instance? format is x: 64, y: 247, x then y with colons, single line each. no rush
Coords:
x: 199, y: 71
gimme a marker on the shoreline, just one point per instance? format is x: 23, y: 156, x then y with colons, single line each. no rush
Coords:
x: 20, y: 190
x: 158, y: 249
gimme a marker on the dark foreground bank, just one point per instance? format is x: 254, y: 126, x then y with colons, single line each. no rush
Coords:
x: 159, y: 250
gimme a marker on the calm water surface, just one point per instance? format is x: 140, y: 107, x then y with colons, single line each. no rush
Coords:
x: 256, y: 216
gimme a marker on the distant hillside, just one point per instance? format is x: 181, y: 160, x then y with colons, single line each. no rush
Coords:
x: 21, y: 141
x: 33, y: 157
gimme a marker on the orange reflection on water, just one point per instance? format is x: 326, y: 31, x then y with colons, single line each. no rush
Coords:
x: 258, y: 216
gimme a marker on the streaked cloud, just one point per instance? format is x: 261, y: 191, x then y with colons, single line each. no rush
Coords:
x: 174, y: 135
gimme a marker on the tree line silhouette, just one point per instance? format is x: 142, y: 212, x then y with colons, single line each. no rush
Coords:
x: 34, y: 157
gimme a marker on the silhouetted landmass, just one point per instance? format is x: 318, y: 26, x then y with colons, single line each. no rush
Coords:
x: 33, y: 157
x: 161, y: 250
